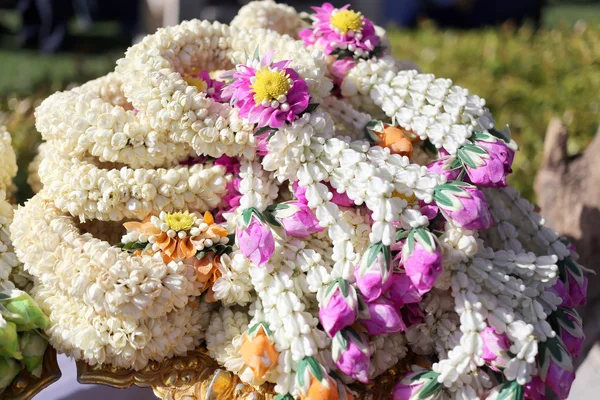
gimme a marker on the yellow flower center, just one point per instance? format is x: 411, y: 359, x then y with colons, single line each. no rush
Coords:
x: 270, y: 85
x: 347, y: 20
x: 180, y: 221
x: 409, y: 200
x: 198, y: 82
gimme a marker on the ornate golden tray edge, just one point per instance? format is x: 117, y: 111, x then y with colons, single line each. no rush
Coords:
x: 198, y: 376
x: 25, y: 385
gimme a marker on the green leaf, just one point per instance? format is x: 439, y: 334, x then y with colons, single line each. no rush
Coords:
x: 262, y: 130
x: 472, y: 155
x: 430, y: 147
x: 271, y: 219
x: 401, y: 234
x: 511, y: 390
x: 373, y: 251
x: 411, y: 242
x: 430, y: 388
x: 345, y: 53
x: 286, y: 396
x: 555, y: 349
x: 247, y: 216
x: 315, y: 368
x: 498, y: 134
x: 425, y: 238
x: 311, y: 107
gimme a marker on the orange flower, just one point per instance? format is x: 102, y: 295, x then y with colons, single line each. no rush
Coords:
x: 207, y: 273
x: 214, y: 232
x: 258, y: 352
x: 396, y: 140
x: 176, y: 248
x: 318, y: 391
x: 145, y: 227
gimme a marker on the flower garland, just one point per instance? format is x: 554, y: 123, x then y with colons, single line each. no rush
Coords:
x: 270, y: 15
x: 92, y: 271
x: 94, y: 120
x: 361, y: 214
x: 33, y: 178
x: 91, y: 192
x: 8, y: 165
x: 8, y: 259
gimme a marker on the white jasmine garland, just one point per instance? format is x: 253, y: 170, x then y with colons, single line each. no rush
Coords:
x: 92, y: 271
x: 92, y: 120
x: 268, y: 14
x: 8, y: 260
x: 431, y: 108
x: 81, y: 332
x: 349, y: 121
x: 107, y: 305
x: 88, y: 191
x: 8, y: 160
x: 151, y: 73
x: 33, y: 178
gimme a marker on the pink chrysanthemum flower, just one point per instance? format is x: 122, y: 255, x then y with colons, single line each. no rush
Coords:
x: 206, y: 84
x: 341, y: 29
x: 266, y: 93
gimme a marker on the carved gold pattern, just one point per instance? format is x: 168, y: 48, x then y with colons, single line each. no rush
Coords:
x: 198, y: 377
x: 25, y: 385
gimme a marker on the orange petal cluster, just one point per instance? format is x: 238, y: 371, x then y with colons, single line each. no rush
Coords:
x: 259, y: 353
x: 396, y: 140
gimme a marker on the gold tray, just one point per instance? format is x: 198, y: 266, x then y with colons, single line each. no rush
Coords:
x: 25, y: 385
x: 198, y: 377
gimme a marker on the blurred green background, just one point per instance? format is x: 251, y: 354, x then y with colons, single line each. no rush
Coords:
x: 526, y: 76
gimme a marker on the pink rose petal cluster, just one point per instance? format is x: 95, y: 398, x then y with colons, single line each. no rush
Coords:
x: 355, y: 359
x: 493, y: 171
x: 297, y: 219
x: 373, y: 274
x: 494, y: 347
x: 338, y: 311
x: 384, y: 317
x: 422, y: 266
x: 255, y: 241
x: 472, y: 211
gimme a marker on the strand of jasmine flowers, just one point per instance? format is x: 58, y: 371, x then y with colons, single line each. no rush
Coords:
x: 92, y: 271
x: 521, y: 222
x: 439, y: 332
x: 386, y: 351
x: 518, y: 316
x: 89, y: 121
x: 349, y: 121
x: 88, y: 191
x: 432, y: 108
x: 268, y: 14
x: 257, y: 186
x: 284, y: 307
x: 80, y: 331
x: 226, y: 324
x: 10, y: 268
x: 360, y: 81
x: 152, y: 80
x: 8, y: 165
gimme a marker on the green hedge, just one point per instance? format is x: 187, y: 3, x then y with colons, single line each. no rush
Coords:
x: 526, y: 78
